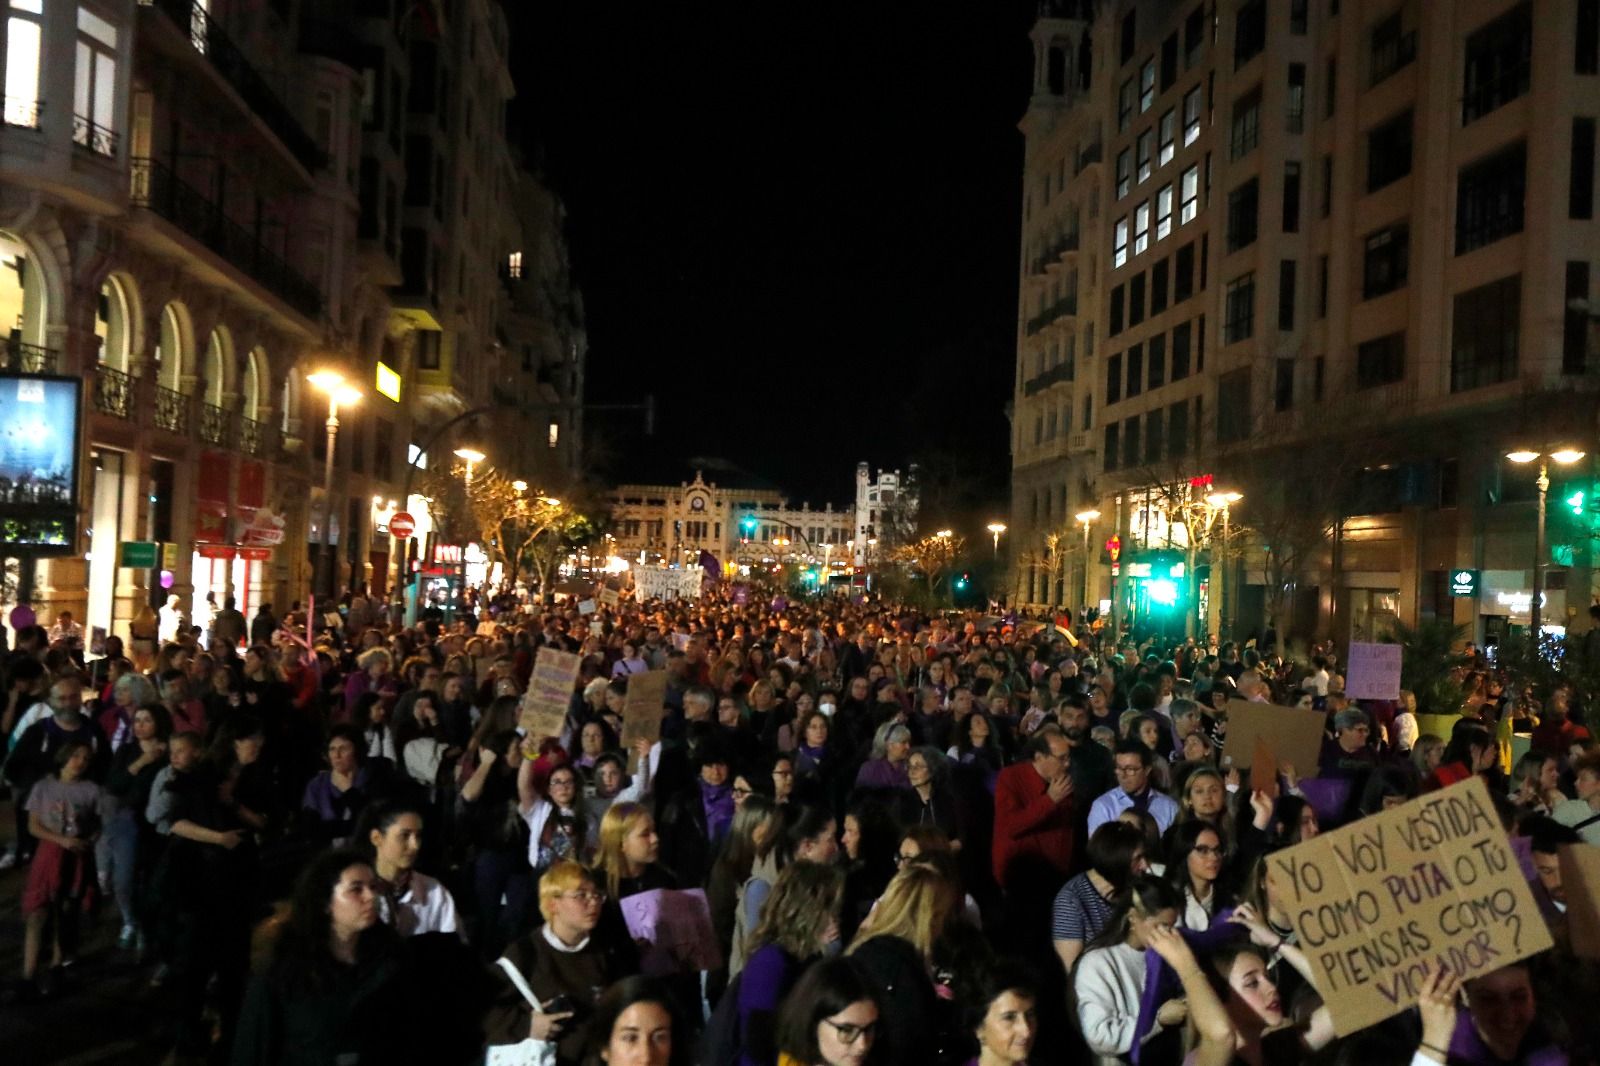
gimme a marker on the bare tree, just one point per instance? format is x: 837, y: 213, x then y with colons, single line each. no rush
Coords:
x: 931, y: 556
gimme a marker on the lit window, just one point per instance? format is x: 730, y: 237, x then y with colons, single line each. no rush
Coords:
x: 554, y: 437
x: 1191, y: 116
x: 1124, y: 172
x: 1169, y: 133
x: 1146, y: 140
x: 1147, y: 86
x: 514, y: 265
x: 94, y: 85
x: 1141, y: 228
x: 1164, y: 211
x: 1189, y: 195
x: 23, y: 36
x: 1119, y: 246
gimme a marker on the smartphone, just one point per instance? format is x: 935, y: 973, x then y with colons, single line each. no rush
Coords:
x: 562, y: 1004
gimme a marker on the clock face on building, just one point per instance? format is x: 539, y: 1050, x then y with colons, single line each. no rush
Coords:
x: 698, y: 503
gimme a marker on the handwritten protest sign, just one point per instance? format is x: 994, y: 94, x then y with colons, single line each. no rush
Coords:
x: 610, y: 597
x: 586, y: 607
x: 1580, y: 881
x: 642, y: 710
x: 1293, y: 735
x: 1382, y: 904
x: 677, y: 927
x: 1373, y: 672
x: 544, y: 705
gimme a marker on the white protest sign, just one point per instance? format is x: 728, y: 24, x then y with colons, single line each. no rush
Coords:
x: 1373, y: 672
x: 650, y: 583
x: 1383, y: 903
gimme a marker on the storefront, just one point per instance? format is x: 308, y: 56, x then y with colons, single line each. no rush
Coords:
x: 1505, y: 606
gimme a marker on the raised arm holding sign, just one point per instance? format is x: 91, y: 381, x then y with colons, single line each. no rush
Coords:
x: 642, y: 710
x: 544, y: 705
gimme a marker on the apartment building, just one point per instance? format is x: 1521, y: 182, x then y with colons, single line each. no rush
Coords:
x: 201, y: 203
x: 1344, y: 268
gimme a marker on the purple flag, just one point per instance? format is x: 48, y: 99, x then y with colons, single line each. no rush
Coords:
x: 709, y: 563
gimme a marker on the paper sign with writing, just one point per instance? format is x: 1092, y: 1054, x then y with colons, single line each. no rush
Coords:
x: 1580, y: 881
x: 586, y: 607
x: 677, y: 927
x: 1373, y: 672
x: 1293, y: 735
x: 1382, y: 904
x: 544, y: 705
x: 610, y: 597
x: 1264, y: 770
x: 642, y: 709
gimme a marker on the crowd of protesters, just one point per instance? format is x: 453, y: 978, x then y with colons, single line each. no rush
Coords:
x: 922, y: 839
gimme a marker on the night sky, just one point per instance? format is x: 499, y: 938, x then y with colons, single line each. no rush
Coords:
x: 796, y: 224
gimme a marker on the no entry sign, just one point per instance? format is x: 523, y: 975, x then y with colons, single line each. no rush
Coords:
x: 401, y: 525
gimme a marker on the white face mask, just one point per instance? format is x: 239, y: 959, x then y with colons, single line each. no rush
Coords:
x: 826, y: 708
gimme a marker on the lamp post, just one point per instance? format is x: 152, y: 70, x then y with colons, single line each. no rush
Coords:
x: 1564, y: 456
x: 1223, y: 501
x: 996, y: 528
x: 1087, y: 519
x: 332, y: 383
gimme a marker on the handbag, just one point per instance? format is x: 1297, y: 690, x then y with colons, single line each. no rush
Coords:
x: 529, y: 1052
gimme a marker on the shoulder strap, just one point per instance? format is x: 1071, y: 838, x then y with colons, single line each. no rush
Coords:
x: 515, y: 977
x: 1591, y: 820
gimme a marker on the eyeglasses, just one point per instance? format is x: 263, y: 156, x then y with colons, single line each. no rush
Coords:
x: 1129, y: 771
x: 742, y: 793
x: 849, y: 1034
x: 902, y: 859
x: 585, y: 897
x: 1207, y: 851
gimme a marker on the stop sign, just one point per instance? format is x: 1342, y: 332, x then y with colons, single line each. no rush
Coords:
x: 402, y: 525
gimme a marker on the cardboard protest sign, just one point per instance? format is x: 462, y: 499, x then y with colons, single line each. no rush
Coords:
x: 1373, y: 672
x: 610, y: 597
x: 1580, y: 881
x: 1293, y: 735
x: 677, y: 927
x: 642, y: 710
x: 1382, y: 904
x: 544, y: 705
x: 1264, y: 770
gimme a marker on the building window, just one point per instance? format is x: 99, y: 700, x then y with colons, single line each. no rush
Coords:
x: 1319, y: 367
x: 1200, y: 345
x: 1191, y: 116
x: 1580, y: 188
x: 1386, y: 261
x: 1158, y: 288
x: 1130, y: 441
x: 1167, y: 140
x: 1146, y: 140
x: 1128, y: 40
x: 1158, y: 361
x: 1392, y: 47
x: 1164, y: 212
x: 1327, y: 186
x: 1322, y: 287
x: 1381, y: 361
x: 1283, y: 385
x: 1141, y: 228
x: 1189, y: 195
x: 1136, y: 299
x: 1178, y: 430
x: 1389, y: 152
x: 1233, y: 406
x: 1249, y: 32
x: 1295, y: 114
x: 1499, y: 58
x: 1135, y: 370
x: 1286, y: 283
x: 1147, y: 86
x: 514, y: 265
x: 1169, y: 60
x: 1240, y: 310
x: 1109, y: 450
x: 553, y: 434
x: 1124, y: 172
x: 1180, y: 351
x: 1291, y: 197
x: 1125, y: 105
x: 95, y: 84
x: 1297, y: 16
x: 1330, y: 98
x: 1114, y: 379
x: 1183, y: 274
x: 1114, y: 325
x: 427, y: 342
x: 1119, y: 243
x: 1484, y: 332
x: 1194, y: 35
x: 1154, y: 445
x: 1586, y: 41
x: 1575, y: 325
x: 24, y: 33
x: 1489, y: 198
x: 1246, y: 125
x: 1243, y: 203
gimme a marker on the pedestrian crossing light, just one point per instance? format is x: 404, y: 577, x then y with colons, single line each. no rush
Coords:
x: 1576, y: 502
x: 961, y: 583
x: 747, y: 527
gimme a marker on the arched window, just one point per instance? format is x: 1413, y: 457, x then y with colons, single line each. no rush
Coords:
x: 255, y: 383
x: 173, y: 357
x: 219, y: 356
x: 113, y: 323
x: 290, y: 408
x: 22, y: 293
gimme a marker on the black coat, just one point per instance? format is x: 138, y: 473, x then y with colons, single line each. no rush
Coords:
x: 906, y: 1000
x: 686, y: 845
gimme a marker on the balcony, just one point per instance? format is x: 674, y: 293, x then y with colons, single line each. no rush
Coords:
x: 113, y: 392
x: 216, y: 425
x: 159, y: 190
x: 255, y: 438
x: 24, y: 114
x: 170, y: 411
x: 224, y: 56
x: 94, y: 137
x: 1091, y: 155
x: 1067, y: 305
x: 1039, y: 382
x: 1078, y: 443
x: 27, y: 358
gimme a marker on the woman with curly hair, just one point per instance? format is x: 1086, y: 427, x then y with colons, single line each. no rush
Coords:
x: 800, y: 920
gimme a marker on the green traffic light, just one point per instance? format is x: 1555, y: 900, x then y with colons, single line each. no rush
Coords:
x: 1575, y: 501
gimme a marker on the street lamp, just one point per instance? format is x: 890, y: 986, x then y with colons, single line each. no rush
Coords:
x: 1564, y: 456
x: 519, y: 486
x: 1222, y: 501
x: 472, y: 457
x: 332, y: 383
x: 996, y: 528
x: 1087, y: 518
x: 945, y: 534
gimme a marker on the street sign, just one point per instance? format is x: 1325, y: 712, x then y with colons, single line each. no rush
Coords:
x: 169, y: 556
x: 1114, y: 547
x: 401, y: 525
x: 1463, y: 582
x: 138, y: 554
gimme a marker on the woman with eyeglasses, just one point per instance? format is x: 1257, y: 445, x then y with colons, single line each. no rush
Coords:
x: 831, y: 1018
x: 549, y: 980
x: 1196, y: 865
x: 798, y: 924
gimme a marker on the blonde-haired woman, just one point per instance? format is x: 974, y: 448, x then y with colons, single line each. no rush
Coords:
x: 799, y: 922
x: 554, y: 972
x: 895, y: 949
x: 626, y: 865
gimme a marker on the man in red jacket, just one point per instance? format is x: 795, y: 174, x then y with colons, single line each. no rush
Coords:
x: 1033, y: 832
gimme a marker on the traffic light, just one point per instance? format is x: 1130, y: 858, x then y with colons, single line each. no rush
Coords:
x: 961, y: 583
x: 747, y: 527
x: 1576, y: 502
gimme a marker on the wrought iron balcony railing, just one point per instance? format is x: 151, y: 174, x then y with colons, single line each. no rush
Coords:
x: 96, y: 138
x: 216, y: 424
x: 113, y: 392
x: 27, y: 358
x: 171, y: 410
x: 16, y: 111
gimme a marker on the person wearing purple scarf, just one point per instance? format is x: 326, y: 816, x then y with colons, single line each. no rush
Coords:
x: 1499, y: 1025
x: 891, y: 748
x: 717, y: 797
